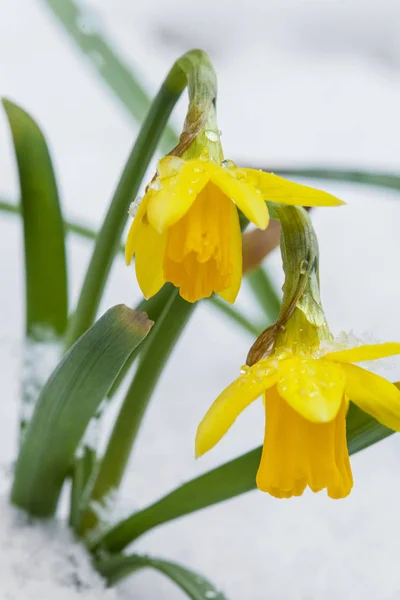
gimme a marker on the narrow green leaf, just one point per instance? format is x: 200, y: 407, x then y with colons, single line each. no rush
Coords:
x: 46, y: 288
x: 378, y: 179
x: 265, y: 293
x: 45, y: 262
x: 67, y: 403
x: 82, y: 26
x: 222, y: 483
x: 115, y: 568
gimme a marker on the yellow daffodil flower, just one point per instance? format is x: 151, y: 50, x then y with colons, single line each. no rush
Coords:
x: 306, y: 400
x: 186, y: 229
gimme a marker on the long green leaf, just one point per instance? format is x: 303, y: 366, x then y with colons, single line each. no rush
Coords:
x: 115, y: 568
x: 46, y: 288
x: 83, y: 27
x: 45, y: 262
x: 67, y: 403
x: 227, y: 481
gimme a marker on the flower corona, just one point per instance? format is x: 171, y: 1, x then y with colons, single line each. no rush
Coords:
x: 187, y: 231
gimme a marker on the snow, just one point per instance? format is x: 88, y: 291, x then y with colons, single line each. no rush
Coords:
x: 299, y: 82
x: 42, y: 560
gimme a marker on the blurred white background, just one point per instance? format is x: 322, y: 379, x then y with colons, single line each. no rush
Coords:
x: 300, y: 83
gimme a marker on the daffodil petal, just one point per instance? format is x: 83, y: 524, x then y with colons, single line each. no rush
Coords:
x: 150, y: 249
x: 228, y: 406
x: 174, y: 195
x: 134, y: 229
x: 375, y: 395
x: 230, y: 293
x: 313, y: 388
x: 280, y: 190
x: 245, y: 196
x: 366, y: 352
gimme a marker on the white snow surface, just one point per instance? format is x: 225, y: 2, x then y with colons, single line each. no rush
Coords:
x: 300, y: 82
x: 43, y: 560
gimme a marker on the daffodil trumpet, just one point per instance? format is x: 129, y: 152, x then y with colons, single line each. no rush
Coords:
x: 307, y: 382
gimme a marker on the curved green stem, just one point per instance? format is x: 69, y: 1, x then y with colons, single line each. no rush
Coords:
x: 193, y: 69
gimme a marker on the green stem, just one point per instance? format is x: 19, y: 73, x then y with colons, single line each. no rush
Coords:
x: 190, y: 70
x: 164, y: 336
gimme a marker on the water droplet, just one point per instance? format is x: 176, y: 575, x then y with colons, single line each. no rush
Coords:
x: 244, y: 369
x: 304, y: 267
x: 134, y: 207
x: 211, y: 594
x: 155, y: 185
x: 190, y: 191
x: 212, y: 135
x: 198, y: 170
x: 228, y: 164
x: 241, y: 175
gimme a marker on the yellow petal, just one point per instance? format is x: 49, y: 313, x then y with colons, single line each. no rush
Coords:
x: 280, y: 190
x: 245, y: 196
x: 313, y: 388
x: 150, y: 249
x: 374, y: 394
x: 230, y: 293
x: 297, y: 453
x: 134, y: 228
x: 366, y: 352
x: 228, y: 406
x: 175, y: 194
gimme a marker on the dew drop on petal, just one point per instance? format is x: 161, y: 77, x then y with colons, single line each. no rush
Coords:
x: 155, y: 185
x: 228, y: 164
x: 134, y: 207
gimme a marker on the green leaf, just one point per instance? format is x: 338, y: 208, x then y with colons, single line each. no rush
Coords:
x: 114, y: 568
x: 45, y: 262
x: 66, y: 405
x: 378, y: 179
x: 222, y: 483
x: 264, y: 291
x: 77, y: 22
x: 46, y: 288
